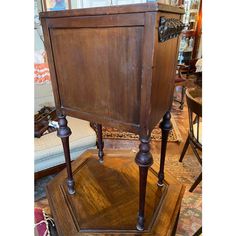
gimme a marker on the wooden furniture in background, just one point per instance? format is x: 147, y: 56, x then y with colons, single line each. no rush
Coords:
x: 193, y: 97
x: 180, y: 80
x: 115, y: 66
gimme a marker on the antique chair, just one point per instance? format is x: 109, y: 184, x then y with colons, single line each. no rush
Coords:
x: 191, y: 64
x: 180, y: 80
x: 183, y: 73
x: 193, y: 97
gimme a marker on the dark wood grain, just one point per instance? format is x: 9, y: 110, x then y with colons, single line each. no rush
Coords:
x: 112, y: 73
x: 163, y: 77
x: 117, y: 48
x: 109, y: 198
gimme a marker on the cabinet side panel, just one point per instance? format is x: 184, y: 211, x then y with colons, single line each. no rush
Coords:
x: 99, y: 70
x: 164, y: 69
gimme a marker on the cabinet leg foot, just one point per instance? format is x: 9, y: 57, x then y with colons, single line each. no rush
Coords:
x: 144, y: 160
x: 64, y: 132
x: 100, y: 143
x: 165, y: 126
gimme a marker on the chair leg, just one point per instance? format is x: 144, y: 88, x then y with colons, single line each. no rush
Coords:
x: 100, y: 143
x: 194, y: 148
x: 198, y: 232
x: 182, y: 97
x: 184, y: 150
x: 195, y: 184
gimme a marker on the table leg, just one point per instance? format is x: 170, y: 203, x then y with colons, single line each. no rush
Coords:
x: 100, y: 143
x: 165, y: 126
x: 144, y: 160
x: 195, y: 184
x: 182, y: 97
x: 64, y: 132
x: 176, y: 224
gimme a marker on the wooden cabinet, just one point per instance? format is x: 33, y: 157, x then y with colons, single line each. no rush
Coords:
x: 108, y: 65
x: 115, y: 66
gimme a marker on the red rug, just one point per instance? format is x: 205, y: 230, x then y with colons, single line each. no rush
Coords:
x: 44, y: 224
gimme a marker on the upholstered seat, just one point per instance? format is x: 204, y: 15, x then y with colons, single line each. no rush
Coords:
x: 180, y: 80
x: 48, y: 148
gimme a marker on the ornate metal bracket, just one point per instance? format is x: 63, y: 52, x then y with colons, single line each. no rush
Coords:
x: 169, y: 28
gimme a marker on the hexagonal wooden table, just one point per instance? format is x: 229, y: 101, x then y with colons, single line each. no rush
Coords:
x: 107, y: 195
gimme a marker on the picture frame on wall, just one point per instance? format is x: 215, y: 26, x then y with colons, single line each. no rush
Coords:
x: 56, y: 5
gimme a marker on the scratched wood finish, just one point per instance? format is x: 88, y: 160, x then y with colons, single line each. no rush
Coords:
x: 107, y: 198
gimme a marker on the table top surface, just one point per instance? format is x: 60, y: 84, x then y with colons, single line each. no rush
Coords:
x: 110, y: 191
x: 119, y: 9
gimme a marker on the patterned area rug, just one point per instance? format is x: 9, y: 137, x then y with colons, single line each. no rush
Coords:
x: 112, y: 133
x: 190, y: 219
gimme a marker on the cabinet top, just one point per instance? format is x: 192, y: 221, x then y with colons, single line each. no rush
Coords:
x: 120, y: 9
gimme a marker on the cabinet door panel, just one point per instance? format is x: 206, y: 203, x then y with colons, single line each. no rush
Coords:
x: 111, y: 59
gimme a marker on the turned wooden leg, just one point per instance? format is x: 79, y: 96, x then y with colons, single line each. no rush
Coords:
x: 100, y: 143
x: 165, y: 126
x: 64, y: 132
x: 144, y: 160
x: 182, y: 97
